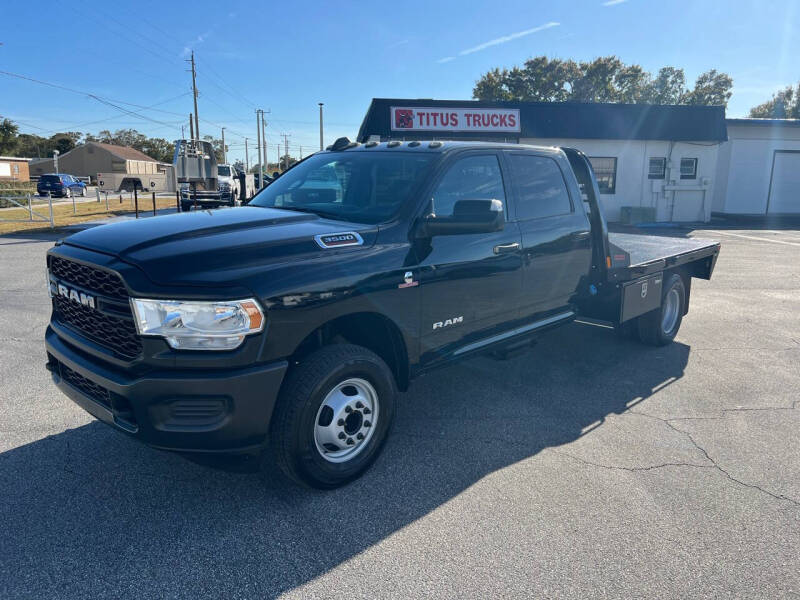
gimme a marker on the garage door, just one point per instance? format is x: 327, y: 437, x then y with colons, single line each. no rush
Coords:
x: 784, y: 191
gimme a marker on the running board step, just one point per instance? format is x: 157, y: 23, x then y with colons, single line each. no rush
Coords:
x: 513, y: 350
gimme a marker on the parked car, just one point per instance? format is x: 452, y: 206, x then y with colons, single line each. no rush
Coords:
x: 60, y: 185
x: 291, y: 323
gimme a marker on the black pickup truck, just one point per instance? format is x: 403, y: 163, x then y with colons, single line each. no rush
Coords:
x: 289, y: 325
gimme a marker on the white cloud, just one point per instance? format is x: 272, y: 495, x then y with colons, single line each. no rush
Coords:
x: 508, y: 38
x: 396, y: 44
x: 613, y: 2
x: 501, y: 40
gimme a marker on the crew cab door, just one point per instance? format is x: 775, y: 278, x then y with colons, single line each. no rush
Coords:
x: 470, y: 283
x: 556, y: 235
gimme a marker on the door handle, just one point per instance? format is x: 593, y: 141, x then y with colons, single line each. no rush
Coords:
x: 506, y: 248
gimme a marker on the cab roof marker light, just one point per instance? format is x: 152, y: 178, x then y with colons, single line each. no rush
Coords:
x: 413, y: 144
x: 393, y: 144
x: 436, y: 144
x: 371, y: 144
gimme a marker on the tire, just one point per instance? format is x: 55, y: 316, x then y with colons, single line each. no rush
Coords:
x: 186, y: 206
x: 83, y: 192
x: 320, y: 391
x: 67, y: 193
x: 659, y: 327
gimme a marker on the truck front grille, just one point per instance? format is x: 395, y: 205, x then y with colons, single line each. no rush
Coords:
x: 116, y: 331
x: 99, y: 281
x: 96, y: 392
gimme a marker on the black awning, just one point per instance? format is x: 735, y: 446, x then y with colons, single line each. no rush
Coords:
x: 565, y: 120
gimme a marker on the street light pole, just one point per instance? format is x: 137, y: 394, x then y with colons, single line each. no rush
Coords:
x: 55, y: 159
x: 224, y: 155
x: 320, y: 125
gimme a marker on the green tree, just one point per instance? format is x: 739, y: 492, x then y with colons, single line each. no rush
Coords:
x: 668, y: 87
x: 785, y: 104
x: 160, y: 149
x: 711, y: 89
x: 8, y: 136
x: 604, y: 79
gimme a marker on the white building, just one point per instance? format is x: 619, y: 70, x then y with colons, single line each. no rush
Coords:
x: 758, y: 170
x: 653, y: 163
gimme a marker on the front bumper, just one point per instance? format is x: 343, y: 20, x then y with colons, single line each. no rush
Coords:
x: 185, y: 410
x: 208, y: 198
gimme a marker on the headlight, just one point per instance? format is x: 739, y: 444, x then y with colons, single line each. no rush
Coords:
x: 189, y: 325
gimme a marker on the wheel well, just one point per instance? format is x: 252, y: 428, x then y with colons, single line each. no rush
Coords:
x: 370, y: 330
x: 686, y: 276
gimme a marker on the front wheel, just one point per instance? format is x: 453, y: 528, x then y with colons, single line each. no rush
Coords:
x: 67, y: 193
x: 83, y: 192
x: 659, y: 327
x: 333, y: 416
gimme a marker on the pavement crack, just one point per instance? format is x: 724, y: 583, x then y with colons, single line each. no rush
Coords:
x: 713, y: 462
x: 632, y: 469
x: 727, y: 474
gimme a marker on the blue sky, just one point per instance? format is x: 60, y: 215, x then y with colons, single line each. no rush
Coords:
x: 286, y: 57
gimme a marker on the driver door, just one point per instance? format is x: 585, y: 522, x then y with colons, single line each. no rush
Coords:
x: 470, y: 283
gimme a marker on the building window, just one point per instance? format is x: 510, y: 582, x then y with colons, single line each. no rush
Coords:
x: 688, y: 168
x: 658, y: 168
x: 605, y: 171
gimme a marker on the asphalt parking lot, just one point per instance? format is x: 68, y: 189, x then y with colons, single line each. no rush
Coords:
x: 588, y: 467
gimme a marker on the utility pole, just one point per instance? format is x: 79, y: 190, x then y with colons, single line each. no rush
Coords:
x: 224, y: 155
x: 286, y: 151
x: 191, y: 127
x: 183, y: 135
x: 264, y: 135
x: 301, y: 153
x: 260, y: 163
x: 320, y: 126
x: 246, y: 158
x: 194, y: 94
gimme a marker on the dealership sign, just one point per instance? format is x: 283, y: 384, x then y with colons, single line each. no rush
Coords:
x: 420, y: 118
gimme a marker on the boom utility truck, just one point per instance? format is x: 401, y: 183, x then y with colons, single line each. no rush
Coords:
x: 203, y: 182
x: 289, y: 325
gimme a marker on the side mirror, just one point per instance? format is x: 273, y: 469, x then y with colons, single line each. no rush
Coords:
x: 469, y: 216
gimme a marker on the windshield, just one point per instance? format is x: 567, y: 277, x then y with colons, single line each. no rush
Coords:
x: 363, y: 187
x: 224, y: 171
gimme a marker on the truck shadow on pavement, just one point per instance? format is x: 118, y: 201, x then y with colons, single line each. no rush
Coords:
x: 89, y: 512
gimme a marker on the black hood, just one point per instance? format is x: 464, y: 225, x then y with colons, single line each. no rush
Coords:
x: 216, y: 246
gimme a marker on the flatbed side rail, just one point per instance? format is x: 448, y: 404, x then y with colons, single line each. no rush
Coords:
x: 700, y: 263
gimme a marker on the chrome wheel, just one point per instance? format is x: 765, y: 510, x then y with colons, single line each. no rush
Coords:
x: 670, y: 310
x: 346, y: 420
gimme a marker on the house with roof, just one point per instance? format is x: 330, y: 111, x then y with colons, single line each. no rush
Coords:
x: 112, y: 167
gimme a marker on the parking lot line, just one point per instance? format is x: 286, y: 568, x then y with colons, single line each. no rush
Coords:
x: 760, y: 239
